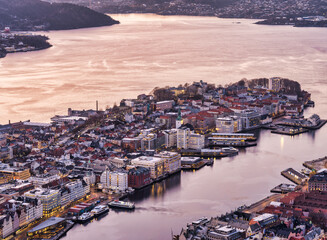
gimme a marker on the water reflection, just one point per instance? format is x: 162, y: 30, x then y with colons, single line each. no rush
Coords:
x: 158, y: 189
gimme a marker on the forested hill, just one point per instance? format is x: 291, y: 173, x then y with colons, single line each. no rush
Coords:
x: 29, y: 15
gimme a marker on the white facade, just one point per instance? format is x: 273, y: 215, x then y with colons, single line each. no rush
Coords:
x: 170, y: 138
x: 187, y: 139
x: 114, y: 180
x: 43, y: 179
x: 172, y: 161
x: 228, y: 124
x: 196, y: 141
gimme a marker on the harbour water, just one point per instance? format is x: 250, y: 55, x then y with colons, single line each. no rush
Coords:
x: 145, y: 51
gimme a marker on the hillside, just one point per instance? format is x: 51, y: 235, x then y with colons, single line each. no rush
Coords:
x: 29, y: 15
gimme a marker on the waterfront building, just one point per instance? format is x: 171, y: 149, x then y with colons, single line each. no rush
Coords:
x: 138, y: 177
x: 155, y: 164
x: 230, y: 124
x: 224, y: 233
x: 47, y: 229
x: 73, y: 191
x: 249, y: 119
x: 114, y: 180
x: 50, y: 199
x: 318, y: 182
x: 187, y: 139
x: 172, y: 161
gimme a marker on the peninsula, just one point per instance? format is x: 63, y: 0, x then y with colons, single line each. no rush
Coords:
x: 105, y: 155
x: 36, y: 15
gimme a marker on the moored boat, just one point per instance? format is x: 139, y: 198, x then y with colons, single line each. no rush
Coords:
x: 121, y: 204
x: 85, y: 217
x: 99, y: 210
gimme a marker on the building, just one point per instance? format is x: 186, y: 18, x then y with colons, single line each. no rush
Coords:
x: 172, y: 161
x: 196, y: 141
x: 138, y: 177
x: 73, y: 191
x: 249, y: 119
x: 224, y: 233
x: 40, y: 180
x: 50, y: 199
x: 170, y: 138
x: 274, y: 84
x: 114, y: 180
x: 164, y: 105
x: 155, y: 164
x: 47, y: 229
x: 230, y: 124
x: 318, y: 182
x: 30, y: 209
x: 187, y: 139
x: 13, y: 173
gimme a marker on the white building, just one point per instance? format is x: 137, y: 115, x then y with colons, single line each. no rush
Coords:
x: 114, y: 180
x: 172, y: 161
x: 274, y: 84
x: 73, y: 191
x: 170, y: 138
x: 43, y: 179
x: 187, y: 139
x: 155, y: 164
x: 228, y: 124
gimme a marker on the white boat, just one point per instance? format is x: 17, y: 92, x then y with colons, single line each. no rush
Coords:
x: 121, y: 204
x: 85, y: 217
x: 98, y: 210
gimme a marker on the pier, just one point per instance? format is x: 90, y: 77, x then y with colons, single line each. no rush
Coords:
x: 294, y: 176
x: 316, y: 164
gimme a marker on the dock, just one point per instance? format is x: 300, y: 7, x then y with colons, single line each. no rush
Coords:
x: 284, y: 188
x: 291, y: 131
x: 294, y: 176
x: 316, y: 164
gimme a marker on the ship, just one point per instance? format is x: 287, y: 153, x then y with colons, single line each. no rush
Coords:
x: 99, y: 210
x: 85, y: 217
x: 121, y: 204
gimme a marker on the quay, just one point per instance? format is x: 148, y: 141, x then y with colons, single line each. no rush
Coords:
x: 294, y: 176
x: 291, y: 131
x: 316, y: 164
x: 284, y: 188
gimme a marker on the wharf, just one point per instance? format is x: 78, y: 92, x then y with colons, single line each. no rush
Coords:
x: 294, y: 176
x: 261, y: 204
x: 316, y: 164
x: 284, y: 188
x: 291, y: 131
x: 194, y: 166
x: 322, y: 123
x: 64, y: 231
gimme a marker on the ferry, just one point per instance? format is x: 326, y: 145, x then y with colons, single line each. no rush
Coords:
x: 229, y: 150
x: 121, y: 204
x: 98, y: 210
x: 85, y: 217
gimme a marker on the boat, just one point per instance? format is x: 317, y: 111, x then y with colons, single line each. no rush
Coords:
x: 99, y: 210
x: 85, y: 217
x: 121, y: 204
x: 229, y: 150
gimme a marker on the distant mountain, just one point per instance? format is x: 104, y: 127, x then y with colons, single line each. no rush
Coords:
x: 29, y: 15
